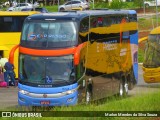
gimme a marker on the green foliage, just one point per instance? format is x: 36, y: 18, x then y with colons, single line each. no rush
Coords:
x: 100, y: 5
x: 140, y: 55
x: 4, y: 1
x: 53, y: 8
x: 146, y: 101
x: 116, y: 4
x: 138, y: 3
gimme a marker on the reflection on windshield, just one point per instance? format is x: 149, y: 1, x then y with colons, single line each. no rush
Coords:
x: 46, y: 70
x: 152, y: 52
x: 49, y: 31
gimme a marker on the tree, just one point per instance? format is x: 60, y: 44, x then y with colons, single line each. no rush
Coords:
x: 138, y: 3
x: 116, y: 4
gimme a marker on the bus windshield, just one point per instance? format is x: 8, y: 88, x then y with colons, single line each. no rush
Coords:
x: 47, y: 70
x: 48, y: 32
x: 152, y: 52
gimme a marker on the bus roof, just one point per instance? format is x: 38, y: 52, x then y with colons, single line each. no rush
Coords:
x: 109, y: 11
x: 155, y: 31
x: 17, y: 13
x: 79, y: 14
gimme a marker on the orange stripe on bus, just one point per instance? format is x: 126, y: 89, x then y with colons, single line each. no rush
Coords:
x: 36, y: 52
x: 74, y: 50
x: 11, y: 55
x: 77, y: 54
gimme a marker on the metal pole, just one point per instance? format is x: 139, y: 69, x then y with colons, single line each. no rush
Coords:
x: 156, y: 14
x: 58, y: 5
x: 144, y: 8
x: 93, y: 4
x: 152, y: 22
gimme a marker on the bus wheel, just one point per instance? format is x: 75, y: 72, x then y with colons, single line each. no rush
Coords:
x: 123, y: 88
x: 131, y: 81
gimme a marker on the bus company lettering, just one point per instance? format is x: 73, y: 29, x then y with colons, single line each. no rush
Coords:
x: 109, y: 45
x: 36, y: 36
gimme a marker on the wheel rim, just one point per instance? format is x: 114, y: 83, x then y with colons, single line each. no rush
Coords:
x: 88, y: 97
x: 147, y: 5
x: 126, y: 88
x: 121, y: 90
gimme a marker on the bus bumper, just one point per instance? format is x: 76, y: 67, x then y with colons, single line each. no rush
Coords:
x: 33, y: 96
x: 151, y: 75
x: 151, y: 78
x: 25, y: 100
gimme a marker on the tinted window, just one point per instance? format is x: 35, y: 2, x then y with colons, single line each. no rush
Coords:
x: 83, y: 32
x: 44, y: 34
x: 11, y: 24
x: 68, y: 3
x: 133, y: 18
x: 77, y: 2
x: 55, y: 71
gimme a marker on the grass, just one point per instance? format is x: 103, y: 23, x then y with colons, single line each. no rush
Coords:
x: 140, y: 55
x: 141, y: 102
x: 53, y: 8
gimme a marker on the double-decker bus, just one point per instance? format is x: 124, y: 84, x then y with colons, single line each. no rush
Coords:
x: 77, y: 57
x: 151, y: 63
x: 10, y: 31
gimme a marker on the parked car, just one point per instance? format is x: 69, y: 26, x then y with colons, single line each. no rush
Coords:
x: 151, y: 3
x: 4, y: 4
x: 42, y: 10
x: 77, y: 9
x: 74, y: 4
x: 20, y: 6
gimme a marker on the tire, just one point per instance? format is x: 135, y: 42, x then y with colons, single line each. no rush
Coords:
x: 61, y: 9
x: 146, y: 5
x: 131, y: 80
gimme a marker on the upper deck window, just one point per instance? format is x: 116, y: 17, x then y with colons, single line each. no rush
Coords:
x: 49, y: 31
x: 49, y: 34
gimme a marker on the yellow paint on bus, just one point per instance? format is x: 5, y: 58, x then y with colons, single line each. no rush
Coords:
x: 9, y: 38
x: 151, y: 64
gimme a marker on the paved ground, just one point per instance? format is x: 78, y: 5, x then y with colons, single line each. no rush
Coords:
x: 143, y: 87
x: 8, y: 96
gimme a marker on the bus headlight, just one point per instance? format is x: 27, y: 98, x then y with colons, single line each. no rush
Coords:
x: 70, y: 91
x: 23, y: 92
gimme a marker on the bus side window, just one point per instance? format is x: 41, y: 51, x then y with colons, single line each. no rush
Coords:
x: 133, y: 18
x: 1, y: 24
x: 100, y: 21
x: 84, y: 26
x: 93, y: 22
x: 21, y: 20
x: 107, y: 21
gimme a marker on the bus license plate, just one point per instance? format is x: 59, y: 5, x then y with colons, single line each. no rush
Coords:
x: 44, y: 102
